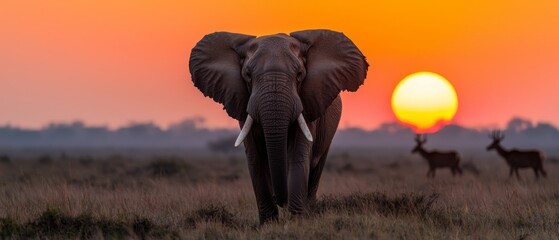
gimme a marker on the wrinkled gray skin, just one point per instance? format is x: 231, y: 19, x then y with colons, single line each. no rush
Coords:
x: 274, y: 79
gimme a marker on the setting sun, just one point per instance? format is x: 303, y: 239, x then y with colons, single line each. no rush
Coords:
x: 425, y: 101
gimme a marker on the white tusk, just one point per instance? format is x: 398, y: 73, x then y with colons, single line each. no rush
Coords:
x: 244, y: 131
x: 304, y: 127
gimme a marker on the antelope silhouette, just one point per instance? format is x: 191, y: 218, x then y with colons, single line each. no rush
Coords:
x: 437, y: 159
x: 516, y: 158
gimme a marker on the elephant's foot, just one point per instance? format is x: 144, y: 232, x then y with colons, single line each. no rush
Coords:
x: 279, y: 203
x: 311, y: 198
x: 296, y: 208
x: 269, y: 216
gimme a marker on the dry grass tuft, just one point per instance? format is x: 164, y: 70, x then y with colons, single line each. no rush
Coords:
x: 363, y: 203
x: 214, y: 213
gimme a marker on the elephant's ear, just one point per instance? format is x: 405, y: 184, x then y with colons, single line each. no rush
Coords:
x: 334, y: 64
x: 215, y: 67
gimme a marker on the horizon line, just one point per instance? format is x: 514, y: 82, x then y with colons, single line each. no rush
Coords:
x: 197, y: 122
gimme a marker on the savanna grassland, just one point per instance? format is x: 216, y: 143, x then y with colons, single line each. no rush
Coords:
x: 363, y: 195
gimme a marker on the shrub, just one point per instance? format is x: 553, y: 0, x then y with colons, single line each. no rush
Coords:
x: 45, y: 160
x: 8, y: 228
x: 53, y: 224
x: 5, y: 159
x: 167, y: 167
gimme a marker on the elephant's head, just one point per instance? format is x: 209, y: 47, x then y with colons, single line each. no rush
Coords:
x: 277, y: 81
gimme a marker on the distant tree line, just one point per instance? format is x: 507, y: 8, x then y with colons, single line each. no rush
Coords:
x: 189, y: 133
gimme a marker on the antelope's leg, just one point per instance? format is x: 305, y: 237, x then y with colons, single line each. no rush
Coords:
x: 544, y: 174
x: 536, y: 172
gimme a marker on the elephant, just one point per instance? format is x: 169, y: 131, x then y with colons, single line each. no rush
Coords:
x: 285, y: 92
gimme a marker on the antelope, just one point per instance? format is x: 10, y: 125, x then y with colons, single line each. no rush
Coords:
x: 436, y: 159
x: 516, y: 158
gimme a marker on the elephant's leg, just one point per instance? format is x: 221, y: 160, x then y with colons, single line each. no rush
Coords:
x: 324, y: 129
x: 305, y: 155
x: 314, y: 177
x: 297, y: 185
x: 261, y: 180
x: 262, y: 186
x: 298, y: 171
x: 309, y: 158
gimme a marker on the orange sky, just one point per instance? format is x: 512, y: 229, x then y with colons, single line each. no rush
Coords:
x: 113, y: 62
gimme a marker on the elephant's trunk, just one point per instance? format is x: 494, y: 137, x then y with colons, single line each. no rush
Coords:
x: 276, y: 106
x: 276, y: 134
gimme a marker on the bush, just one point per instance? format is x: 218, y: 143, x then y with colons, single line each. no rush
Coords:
x: 45, y: 160
x: 8, y: 228
x: 5, y: 159
x: 53, y: 224
x: 85, y: 161
x: 142, y: 227
x: 167, y: 167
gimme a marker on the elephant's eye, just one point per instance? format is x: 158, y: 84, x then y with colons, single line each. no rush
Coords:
x: 248, y: 76
x: 300, y: 76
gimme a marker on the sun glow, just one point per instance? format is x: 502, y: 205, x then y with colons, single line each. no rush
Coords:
x: 425, y: 101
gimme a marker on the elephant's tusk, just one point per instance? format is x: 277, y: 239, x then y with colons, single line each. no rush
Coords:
x: 244, y: 131
x: 304, y: 127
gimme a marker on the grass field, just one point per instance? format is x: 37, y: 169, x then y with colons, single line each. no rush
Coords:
x: 362, y: 196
